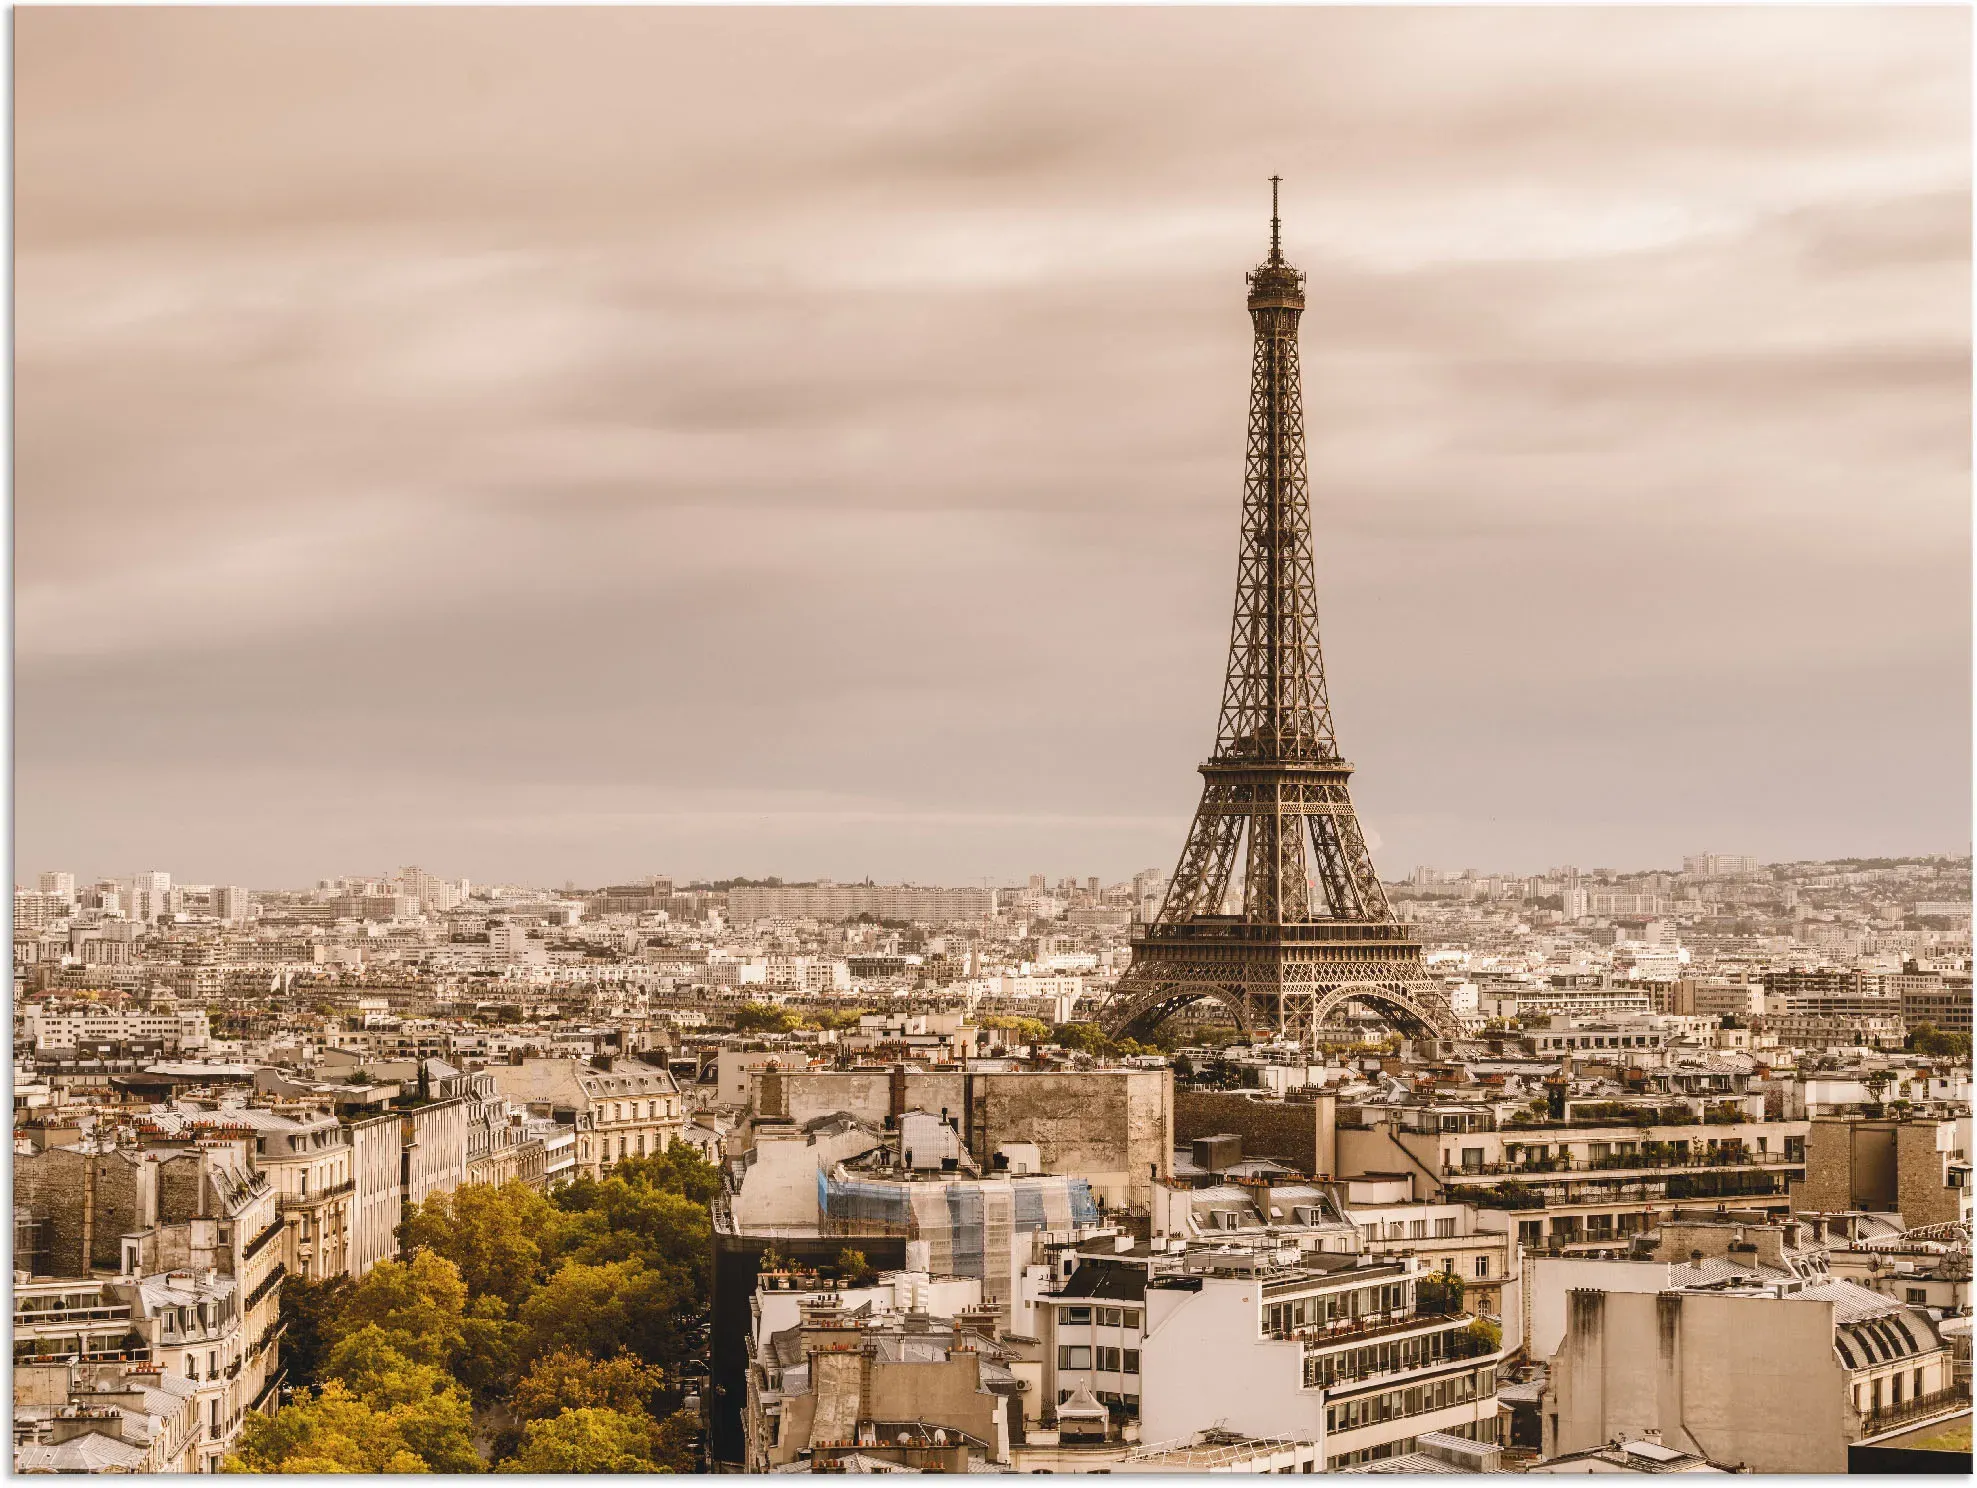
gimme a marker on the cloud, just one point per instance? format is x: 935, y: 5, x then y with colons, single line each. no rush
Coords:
x: 592, y: 421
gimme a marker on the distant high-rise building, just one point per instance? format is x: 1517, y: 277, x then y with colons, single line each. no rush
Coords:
x: 61, y: 885
x: 1718, y: 865
x: 230, y: 903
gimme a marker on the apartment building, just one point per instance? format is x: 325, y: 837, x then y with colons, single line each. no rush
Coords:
x: 376, y: 1204
x: 619, y: 1108
x: 58, y: 1024
x: 78, y: 1417
x: 1760, y: 1379
x: 1590, y: 1176
x: 1335, y: 1349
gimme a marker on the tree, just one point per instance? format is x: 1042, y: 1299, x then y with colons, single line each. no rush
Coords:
x: 676, y: 1443
x: 1484, y: 1336
x: 566, y: 1380
x: 679, y: 1169
x: 419, y: 1304
x: 1439, y: 1292
x: 390, y: 1416
x: 1020, y: 1030
x: 762, y: 1017
x: 1084, y: 1038
x: 327, y: 1432
x: 597, y: 1310
x: 309, y: 1308
x: 1936, y: 1043
x: 492, y: 1235
x: 586, y: 1440
x: 852, y: 1266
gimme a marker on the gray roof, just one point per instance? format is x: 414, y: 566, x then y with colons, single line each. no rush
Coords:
x: 91, y: 1453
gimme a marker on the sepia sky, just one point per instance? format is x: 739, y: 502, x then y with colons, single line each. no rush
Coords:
x: 548, y: 445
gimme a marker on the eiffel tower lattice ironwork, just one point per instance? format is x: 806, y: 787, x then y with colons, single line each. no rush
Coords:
x: 1315, y: 931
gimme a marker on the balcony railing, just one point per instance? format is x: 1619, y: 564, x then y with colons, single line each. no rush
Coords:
x: 1368, y: 1325
x: 1920, y: 1408
x: 268, y: 1284
x: 260, y: 1242
x: 1621, y: 1163
x: 309, y: 1201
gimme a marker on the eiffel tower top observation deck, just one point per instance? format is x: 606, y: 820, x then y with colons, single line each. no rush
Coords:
x: 1314, y: 931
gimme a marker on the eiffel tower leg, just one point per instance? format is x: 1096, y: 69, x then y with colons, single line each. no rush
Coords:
x: 1208, y: 860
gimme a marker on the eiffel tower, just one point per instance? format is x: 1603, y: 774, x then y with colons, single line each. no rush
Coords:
x: 1315, y: 931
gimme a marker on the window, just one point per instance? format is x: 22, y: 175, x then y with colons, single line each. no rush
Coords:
x: 1918, y: 1295
x: 1482, y: 1265
x: 1108, y: 1317
x: 1472, y: 1158
x: 1417, y: 1229
x: 1108, y: 1360
x: 1073, y: 1356
x: 1076, y: 1315
x: 1445, y: 1228
x: 191, y: 1367
x: 1133, y: 1362
x: 1132, y: 1317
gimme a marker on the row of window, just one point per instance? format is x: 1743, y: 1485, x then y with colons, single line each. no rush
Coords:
x: 1412, y: 1229
x: 1108, y: 1317
x: 1413, y: 1400
x: 1417, y: 1352
x: 1106, y: 1360
x: 1482, y: 1431
x: 1280, y: 1318
x: 640, y: 1111
x: 1869, y: 1403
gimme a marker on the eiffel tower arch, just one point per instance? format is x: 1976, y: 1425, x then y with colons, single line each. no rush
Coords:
x: 1314, y: 931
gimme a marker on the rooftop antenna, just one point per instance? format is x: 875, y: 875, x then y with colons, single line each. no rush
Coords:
x: 1276, y: 235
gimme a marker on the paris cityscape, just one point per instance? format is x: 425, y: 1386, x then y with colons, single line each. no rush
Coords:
x: 1277, y: 1154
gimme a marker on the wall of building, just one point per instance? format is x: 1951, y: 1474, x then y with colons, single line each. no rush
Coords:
x: 1748, y: 1381
x: 377, y: 1202
x: 1289, y: 1131
x: 435, y: 1138
x: 1921, y: 1196
x: 1114, y: 1128
x: 780, y: 1185
x: 1251, y: 1384
x: 87, y: 1203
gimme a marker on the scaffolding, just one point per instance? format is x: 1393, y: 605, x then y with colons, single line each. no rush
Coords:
x: 968, y: 1224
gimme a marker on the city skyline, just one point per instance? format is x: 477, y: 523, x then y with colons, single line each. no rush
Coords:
x: 856, y: 494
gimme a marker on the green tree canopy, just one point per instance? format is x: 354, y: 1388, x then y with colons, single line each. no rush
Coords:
x: 587, y: 1440
x: 676, y: 1443
x: 1085, y: 1038
x: 763, y: 1017
x: 419, y: 1304
x: 493, y: 1235
x: 566, y: 1380
x: 310, y: 1309
x: 406, y: 1417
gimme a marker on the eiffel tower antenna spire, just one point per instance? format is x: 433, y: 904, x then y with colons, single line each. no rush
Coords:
x: 1313, y: 930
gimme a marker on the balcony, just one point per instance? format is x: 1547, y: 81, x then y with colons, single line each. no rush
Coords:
x: 1623, y: 1162
x: 268, y: 1284
x: 288, y: 1202
x: 1370, y: 1325
x: 260, y: 1242
x: 1921, y: 1408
